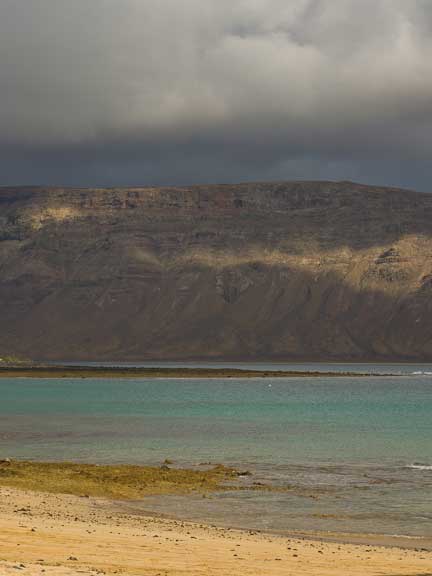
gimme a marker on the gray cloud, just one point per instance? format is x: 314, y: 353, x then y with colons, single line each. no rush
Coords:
x: 144, y: 91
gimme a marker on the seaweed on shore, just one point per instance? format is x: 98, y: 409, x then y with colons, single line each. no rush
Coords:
x: 111, y: 481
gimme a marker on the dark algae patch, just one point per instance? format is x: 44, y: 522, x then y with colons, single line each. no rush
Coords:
x: 131, y: 482
x: 111, y: 481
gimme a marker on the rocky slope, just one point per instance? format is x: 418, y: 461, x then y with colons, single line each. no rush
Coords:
x: 301, y: 270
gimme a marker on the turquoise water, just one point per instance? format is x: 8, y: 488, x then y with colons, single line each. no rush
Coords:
x: 356, y: 452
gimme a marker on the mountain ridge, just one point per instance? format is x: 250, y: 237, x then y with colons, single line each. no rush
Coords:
x: 269, y: 270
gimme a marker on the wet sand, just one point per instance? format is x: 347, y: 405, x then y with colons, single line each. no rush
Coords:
x: 56, y: 534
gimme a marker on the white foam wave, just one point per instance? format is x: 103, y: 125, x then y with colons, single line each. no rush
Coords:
x: 422, y: 373
x: 420, y: 467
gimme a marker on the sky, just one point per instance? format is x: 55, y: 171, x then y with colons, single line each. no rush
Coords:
x: 159, y: 92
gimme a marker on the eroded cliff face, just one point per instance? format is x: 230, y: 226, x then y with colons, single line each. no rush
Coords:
x: 310, y: 270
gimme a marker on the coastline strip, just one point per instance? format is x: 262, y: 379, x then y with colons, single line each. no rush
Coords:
x: 123, y: 372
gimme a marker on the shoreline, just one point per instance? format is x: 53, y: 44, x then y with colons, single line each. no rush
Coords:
x: 57, y: 534
x: 401, y: 541
x: 124, y: 489
x: 217, y: 362
x: 204, y: 373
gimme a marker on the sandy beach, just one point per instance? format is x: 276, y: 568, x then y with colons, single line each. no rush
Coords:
x: 56, y: 534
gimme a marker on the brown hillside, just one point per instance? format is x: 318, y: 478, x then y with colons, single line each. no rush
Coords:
x: 314, y: 270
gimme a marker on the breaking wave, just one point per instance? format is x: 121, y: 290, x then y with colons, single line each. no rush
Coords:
x: 420, y: 466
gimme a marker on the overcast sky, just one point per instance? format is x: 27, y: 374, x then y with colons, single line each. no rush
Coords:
x: 112, y: 92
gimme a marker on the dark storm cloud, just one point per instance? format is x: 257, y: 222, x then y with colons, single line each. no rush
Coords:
x: 145, y: 91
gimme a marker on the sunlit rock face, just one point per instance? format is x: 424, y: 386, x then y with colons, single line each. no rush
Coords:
x: 290, y: 270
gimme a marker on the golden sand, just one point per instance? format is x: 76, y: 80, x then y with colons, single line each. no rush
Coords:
x: 56, y: 534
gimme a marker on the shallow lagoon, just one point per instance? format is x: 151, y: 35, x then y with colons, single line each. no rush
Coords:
x: 356, y: 452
